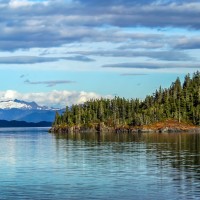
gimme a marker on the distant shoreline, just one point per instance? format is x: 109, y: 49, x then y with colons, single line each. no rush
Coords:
x: 14, y: 123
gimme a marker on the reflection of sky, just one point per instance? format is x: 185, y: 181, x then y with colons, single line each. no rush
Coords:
x: 114, y: 166
x: 8, y: 152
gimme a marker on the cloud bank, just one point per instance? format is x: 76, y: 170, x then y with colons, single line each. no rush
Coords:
x: 55, y: 98
x: 28, y: 24
x: 82, y: 35
x: 40, y: 59
x: 154, y: 65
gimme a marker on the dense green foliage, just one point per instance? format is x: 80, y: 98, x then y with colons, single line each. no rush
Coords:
x: 180, y: 102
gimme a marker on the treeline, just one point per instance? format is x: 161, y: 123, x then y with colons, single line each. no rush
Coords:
x: 180, y: 102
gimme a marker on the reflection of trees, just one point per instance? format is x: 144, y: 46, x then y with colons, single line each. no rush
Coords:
x: 100, y: 144
x: 180, y: 150
x: 172, y: 158
x: 100, y: 137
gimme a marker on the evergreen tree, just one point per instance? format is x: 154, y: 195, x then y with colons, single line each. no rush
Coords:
x: 179, y: 101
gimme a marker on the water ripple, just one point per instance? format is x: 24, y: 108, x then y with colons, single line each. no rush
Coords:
x: 38, y: 165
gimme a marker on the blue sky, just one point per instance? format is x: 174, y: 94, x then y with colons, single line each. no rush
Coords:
x: 59, y: 52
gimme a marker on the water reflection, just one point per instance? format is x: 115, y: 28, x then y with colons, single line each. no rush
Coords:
x: 180, y: 151
x: 175, y: 142
x: 101, y: 138
x: 37, y: 165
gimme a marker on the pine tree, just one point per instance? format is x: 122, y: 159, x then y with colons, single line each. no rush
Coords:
x: 180, y: 102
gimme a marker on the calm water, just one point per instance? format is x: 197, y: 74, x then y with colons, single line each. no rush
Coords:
x: 37, y: 165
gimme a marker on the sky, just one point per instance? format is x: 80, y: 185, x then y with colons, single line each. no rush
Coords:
x: 63, y: 52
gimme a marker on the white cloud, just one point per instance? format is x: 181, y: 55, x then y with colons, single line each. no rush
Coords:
x: 17, y: 3
x: 9, y: 94
x: 54, y: 98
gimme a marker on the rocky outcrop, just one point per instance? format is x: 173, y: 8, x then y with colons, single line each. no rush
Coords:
x: 172, y: 126
x: 160, y: 127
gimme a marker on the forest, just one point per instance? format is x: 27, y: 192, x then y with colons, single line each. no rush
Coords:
x: 181, y: 102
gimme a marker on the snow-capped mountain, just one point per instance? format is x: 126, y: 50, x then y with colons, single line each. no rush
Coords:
x: 26, y: 111
x: 10, y: 104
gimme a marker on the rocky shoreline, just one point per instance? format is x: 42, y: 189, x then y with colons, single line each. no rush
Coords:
x: 160, y: 127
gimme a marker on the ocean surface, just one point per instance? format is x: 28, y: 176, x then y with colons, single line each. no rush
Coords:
x: 35, y: 164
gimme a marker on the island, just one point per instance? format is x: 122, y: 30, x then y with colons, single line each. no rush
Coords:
x: 172, y: 109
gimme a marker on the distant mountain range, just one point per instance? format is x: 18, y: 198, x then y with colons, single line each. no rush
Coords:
x: 4, y: 123
x: 26, y: 111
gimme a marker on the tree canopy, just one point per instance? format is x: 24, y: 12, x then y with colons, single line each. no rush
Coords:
x: 179, y: 101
